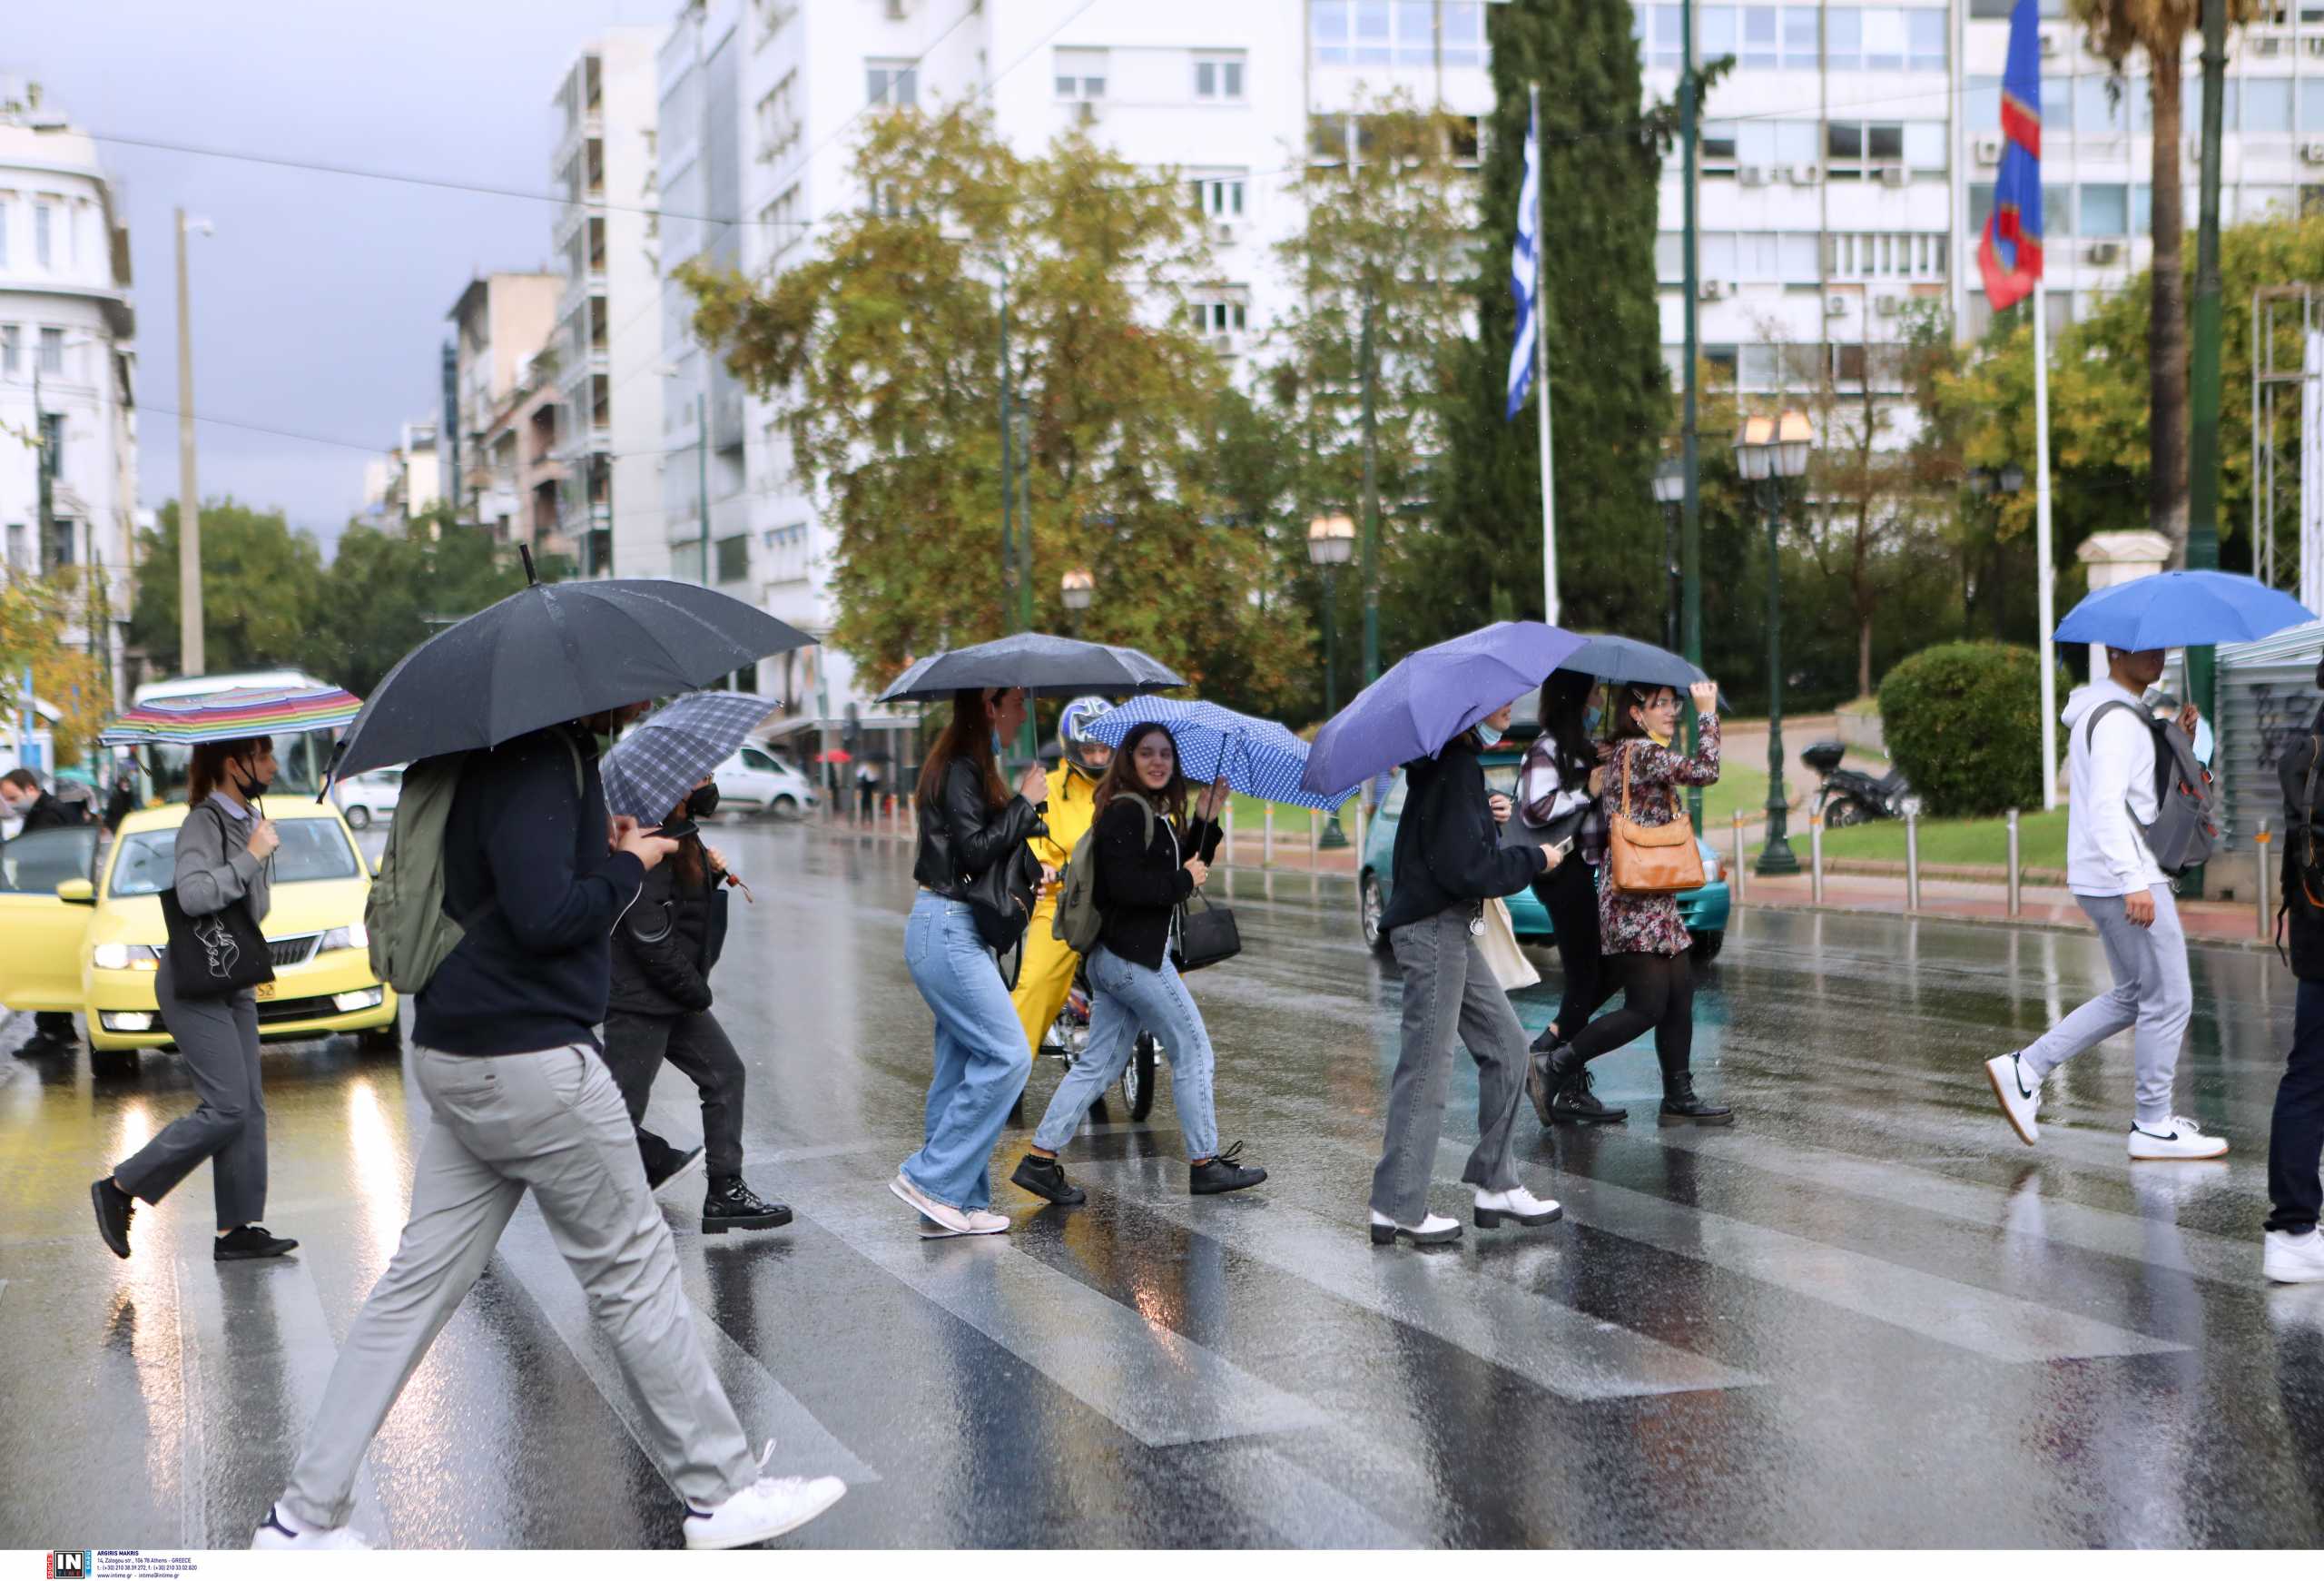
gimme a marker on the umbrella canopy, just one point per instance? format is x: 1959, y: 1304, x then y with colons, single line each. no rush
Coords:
x: 1043, y: 665
x: 232, y: 714
x: 1624, y: 658
x: 661, y: 759
x: 554, y: 652
x: 2182, y: 609
x: 1431, y: 697
x: 1257, y: 756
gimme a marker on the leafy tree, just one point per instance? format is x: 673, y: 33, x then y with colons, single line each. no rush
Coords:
x: 259, y: 586
x: 38, y: 619
x: 885, y: 345
x: 389, y: 589
x: 1610, y: 391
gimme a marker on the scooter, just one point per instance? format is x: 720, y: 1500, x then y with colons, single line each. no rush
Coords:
x: 1069, y: 1034
x: 1850, y: 796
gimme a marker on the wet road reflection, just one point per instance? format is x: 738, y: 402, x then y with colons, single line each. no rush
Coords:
x: 1845, y: 1322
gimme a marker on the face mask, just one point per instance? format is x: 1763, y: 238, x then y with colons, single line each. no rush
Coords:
x: 704, y: 801
x: 1488, y: 734
x: 1659, y: 738
x: 1590, y: 720
x: 253, y: 788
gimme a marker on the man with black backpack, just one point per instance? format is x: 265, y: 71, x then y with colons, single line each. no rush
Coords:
x: 2294, y: 1254
x: 2139, y: 815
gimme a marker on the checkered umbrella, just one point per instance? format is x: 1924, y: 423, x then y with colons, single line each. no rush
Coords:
x: 1257, y: 756
x: 662, y: 757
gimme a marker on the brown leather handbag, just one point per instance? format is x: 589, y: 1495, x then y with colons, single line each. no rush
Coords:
x: 1651, y: 859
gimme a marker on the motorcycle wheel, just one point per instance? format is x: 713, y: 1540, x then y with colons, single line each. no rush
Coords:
x: 1841, y: 812
x: 1137, y: 1077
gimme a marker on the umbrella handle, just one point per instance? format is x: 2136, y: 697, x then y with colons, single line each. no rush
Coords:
x: 331, y: 769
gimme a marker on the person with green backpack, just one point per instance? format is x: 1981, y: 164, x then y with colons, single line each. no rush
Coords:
x: 1141, y: 860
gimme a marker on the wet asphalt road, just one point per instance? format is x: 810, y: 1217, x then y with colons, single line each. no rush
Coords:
x: 1865, y: 1315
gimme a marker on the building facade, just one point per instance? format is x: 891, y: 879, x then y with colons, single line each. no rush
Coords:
x: 409, y: 480
x: 68, y: 362
x: 501, y: 325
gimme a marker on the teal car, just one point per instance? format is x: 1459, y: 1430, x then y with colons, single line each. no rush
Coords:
x: 1704, y: 910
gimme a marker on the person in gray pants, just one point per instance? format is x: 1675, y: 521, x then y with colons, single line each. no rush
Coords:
x: 224, y: 854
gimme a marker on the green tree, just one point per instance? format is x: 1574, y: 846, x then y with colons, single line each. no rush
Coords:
x: 39, y: 619
x: 1610, y: 387
x: 885, y: 347
x: 389, y: 589
x: 259, y: 586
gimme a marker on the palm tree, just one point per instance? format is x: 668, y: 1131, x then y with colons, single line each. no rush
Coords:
x: 2161, y: 28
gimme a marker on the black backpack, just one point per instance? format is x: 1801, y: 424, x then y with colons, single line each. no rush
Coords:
x: 2184, y: 833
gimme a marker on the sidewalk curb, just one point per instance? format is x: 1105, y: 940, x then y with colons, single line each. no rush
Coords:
x: 2024, y: 924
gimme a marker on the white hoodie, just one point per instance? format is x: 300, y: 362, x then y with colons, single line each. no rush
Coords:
x: 2105, y: 853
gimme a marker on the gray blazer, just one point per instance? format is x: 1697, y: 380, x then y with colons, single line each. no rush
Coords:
x: 214, y: 864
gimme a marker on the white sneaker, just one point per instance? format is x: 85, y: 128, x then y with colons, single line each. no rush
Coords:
x: 943, y: 1213
x: 2181, y: 1138
x: 767, y: 1508
x: 278, y: 1532
x: 2294, y: 1259
x: 981, y: 1223
x: 1435, y: 1230
x: 2018, y: 1102
x: 1517, y: 1203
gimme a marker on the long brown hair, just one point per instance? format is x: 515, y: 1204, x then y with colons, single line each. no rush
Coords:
x: 688, y: 861
x: 1121, y: 776
x: 1628, y: 696
x: 208, y: 771
x: 967, y: 735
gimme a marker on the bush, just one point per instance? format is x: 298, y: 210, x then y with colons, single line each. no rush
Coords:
x: 1963, y: 721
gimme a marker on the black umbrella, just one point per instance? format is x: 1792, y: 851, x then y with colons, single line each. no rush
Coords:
x: 554, y: 652
x: 1623, y: 658
x: 1044, y: 665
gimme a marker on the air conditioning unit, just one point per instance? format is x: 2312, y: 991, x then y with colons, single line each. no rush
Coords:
x: 1085, y: 113
x: 2312, y: 154
x: 1751, y: 176
x: 1888, y: 307
x: 1223, y: 344
x: 899, y: 9
x: 1894, y: 176
x: 1712, y: 291
x: 1224, y: 232
x: 2049, y: 44
x: 2103, y: 253
x: 1806, y: 176
x: 1988, y: 150
x: 1836, y: 306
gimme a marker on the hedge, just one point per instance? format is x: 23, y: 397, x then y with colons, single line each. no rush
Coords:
x: 1964, y: 723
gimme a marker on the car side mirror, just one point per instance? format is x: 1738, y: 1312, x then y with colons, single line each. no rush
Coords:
x: 77, y: 892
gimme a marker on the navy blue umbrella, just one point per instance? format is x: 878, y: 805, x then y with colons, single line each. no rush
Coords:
x: 1044, y: 665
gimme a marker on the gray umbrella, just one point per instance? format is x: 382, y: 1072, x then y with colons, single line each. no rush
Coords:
x: 1044, y: 665
x: 1624, y: 658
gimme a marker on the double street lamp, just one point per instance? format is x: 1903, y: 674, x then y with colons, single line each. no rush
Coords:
x: 1768, y: 450
x: 1077, y: 588
x: 1331, y: 544
x: 1670, y: 492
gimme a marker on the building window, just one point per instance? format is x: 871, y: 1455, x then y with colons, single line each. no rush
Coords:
x: 52, y: 350
x: 2267, y: 104
x: 16, y: 552
x: 1857, y: 149
x: 1463, y: 21
x: 892, y: 84
x: 1884, y: 39
x: 779, y: 118
x: 44, y: 217
x: 4, y: 234
x: 1775, y: 144
x: 772, y: 15
x: 1081, y: 75
x: 11, y: 350
x: 2098, y: 114
x: 2105, y: 210
x: 734, y: 557
x: 780, y: 218
x: 1221, y: 318
x: 1219, y: 77
x: 1669, y: 37
x: 1220, y: 197
x: 2057, y: 211
x: 57, y: 552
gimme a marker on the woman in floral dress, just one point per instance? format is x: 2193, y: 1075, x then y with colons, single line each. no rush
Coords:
x: 1644, y: 939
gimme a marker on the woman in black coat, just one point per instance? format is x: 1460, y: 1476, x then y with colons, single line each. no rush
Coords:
x: 663, y: 948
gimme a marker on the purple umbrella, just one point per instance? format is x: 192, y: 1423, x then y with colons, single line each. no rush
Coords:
x: 1430, y: 697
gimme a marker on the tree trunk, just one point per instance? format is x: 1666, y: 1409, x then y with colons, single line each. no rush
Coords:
x: 2167, y: 438
x: 1864, y: 656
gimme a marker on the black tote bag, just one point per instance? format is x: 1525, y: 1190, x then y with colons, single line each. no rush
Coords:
x: 1206, y: 936
x: 211, y: 957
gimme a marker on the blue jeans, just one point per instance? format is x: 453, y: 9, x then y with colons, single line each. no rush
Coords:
x: 1123, y: 997
x: 2152, y: 992
x: 981, y: 1060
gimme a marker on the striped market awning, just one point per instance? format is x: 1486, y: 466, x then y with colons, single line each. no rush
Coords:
x: 232, y: 713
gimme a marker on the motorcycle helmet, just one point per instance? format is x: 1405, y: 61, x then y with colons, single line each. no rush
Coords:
x: 1073, y: 739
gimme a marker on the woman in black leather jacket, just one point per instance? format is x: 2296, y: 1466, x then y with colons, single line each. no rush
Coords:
x: 663, y: 948
x: 969, y: 825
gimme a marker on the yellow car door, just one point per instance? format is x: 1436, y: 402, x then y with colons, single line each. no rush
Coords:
x: 41, y: 937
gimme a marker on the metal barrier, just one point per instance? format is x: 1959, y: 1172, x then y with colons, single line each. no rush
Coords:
x: 1735, y: 873
x: 1359, y: 831
x: 1266, y: 835
x: 1816, y: 856
x: 2261, y: 841
x: 1226, y: 845
x: 2016, y: 871
x: 1912, y: 862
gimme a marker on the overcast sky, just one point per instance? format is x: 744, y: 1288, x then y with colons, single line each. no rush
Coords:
x: 319, y: 304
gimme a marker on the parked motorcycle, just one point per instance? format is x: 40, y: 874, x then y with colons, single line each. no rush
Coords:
x: 1850, y: 796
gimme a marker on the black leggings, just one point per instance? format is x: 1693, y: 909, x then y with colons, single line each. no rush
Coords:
x: 1657, y: 992
x: 1569, y: 893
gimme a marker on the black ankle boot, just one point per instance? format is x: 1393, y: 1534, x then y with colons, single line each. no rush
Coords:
x: 1046, y: 1178
x: 732, y: 1205
x: 1575, y: 1102
x: 1549, y: 1041
x: 1222, y: 1173
x: 1537, y: 1082
x: 1681, y: 1107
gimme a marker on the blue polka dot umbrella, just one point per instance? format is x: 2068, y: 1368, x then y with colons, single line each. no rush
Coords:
x: 1256, y: 756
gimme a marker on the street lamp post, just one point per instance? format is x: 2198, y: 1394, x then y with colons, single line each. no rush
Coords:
x: 1077, y: 588
x: 1670, y: 493
x: 1985, y: 482
x: 1331, y: 544
x: 192, y: 660
x: 1768, y: 451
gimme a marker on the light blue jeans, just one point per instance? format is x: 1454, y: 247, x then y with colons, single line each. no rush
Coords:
x: 2152, y: 992
x: 1124, y: 997
x: 981, y: 1060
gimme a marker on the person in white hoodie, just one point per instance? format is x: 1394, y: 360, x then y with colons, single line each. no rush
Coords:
x: 2115, y: 878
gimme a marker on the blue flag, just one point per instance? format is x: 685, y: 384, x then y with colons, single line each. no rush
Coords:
x: 1524, y: 275
x: 2010, y: 254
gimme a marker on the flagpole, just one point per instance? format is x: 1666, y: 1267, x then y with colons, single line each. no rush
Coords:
x: 1541, y: 362
x: 2045, y: 574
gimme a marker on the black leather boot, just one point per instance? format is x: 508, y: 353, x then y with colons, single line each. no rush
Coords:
x: 1537, y: 1082
x: 1046, y: 1178
x: 732, y: 1205
x: 1681, y: 1107
x: 1222, y: 1173
x: 1575, y: 1102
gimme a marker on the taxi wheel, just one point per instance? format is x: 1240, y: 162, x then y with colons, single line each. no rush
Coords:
x: 385, y: 1042
x: 113, y: 1064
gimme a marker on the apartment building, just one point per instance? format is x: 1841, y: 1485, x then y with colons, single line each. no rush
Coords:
x: 501, y: 324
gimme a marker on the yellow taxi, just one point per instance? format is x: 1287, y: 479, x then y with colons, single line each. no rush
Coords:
x: 80, y: 930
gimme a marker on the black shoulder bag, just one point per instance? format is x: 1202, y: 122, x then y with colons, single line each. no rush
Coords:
x: 1206, y: 936
x: 211, y: 957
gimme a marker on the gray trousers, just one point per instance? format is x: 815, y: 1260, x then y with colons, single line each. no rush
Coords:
x: 217, y: 1041
x: 1449, y: 995
x: 2151, y: 992
x: 553, y: 1122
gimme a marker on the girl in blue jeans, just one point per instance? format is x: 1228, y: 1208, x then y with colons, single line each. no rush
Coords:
x: 969, y: 823
x: 1147, y: 868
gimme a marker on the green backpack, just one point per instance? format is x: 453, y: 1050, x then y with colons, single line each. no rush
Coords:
x: 1079, y: 920
x: 411, y: 932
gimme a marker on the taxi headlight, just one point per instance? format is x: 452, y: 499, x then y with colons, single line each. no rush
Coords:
x: 356, y: 998
x: 118, y: 957
x: 126, y: 1020
x: 353, y: 936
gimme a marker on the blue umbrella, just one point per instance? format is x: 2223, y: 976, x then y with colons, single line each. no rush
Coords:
x: 1257, y: 756
x: 2182, y: 609
x: 1430, y: 697
x: 654, y: 767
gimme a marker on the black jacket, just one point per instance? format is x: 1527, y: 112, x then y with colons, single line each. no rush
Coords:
x: 964, y: 834
x: 47, y: 813
x: 1448, y: 848
x: 1142, y: 882
x: 666, y: 944
x: 525, y: 865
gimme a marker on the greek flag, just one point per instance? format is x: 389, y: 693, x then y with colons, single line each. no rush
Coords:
x: 1523, y: 273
